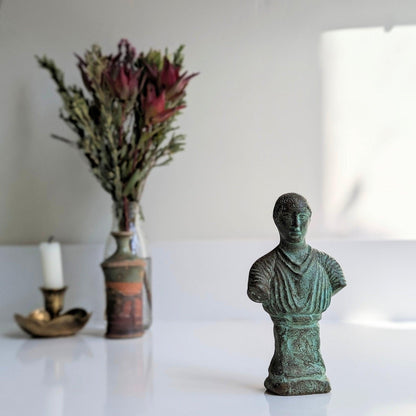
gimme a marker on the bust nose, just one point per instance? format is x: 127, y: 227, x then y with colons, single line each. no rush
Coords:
x: 296, y: 221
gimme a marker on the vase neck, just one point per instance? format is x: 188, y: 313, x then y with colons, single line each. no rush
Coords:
x: 123, y: 241
x: 126, y: 215
x: 134, y: 224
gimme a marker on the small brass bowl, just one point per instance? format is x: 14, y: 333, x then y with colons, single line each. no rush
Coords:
x: 39, y: 323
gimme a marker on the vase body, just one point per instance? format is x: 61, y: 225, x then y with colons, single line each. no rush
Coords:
x: 127, y: 219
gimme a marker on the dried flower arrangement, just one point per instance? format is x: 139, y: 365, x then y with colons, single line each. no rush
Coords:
x: 124, y: 116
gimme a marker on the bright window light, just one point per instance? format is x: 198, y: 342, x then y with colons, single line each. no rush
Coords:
x: 369, y: 128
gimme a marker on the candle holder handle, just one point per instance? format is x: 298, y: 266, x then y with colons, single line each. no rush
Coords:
x: 54, y: 300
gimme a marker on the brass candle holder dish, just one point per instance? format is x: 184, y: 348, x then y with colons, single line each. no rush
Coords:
x: 48, y: 322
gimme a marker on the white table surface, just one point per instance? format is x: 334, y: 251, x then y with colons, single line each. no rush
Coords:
x: 198, y: 369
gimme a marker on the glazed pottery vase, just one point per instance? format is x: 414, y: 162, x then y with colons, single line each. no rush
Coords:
x: 124, y: 275
x: 127, y: 217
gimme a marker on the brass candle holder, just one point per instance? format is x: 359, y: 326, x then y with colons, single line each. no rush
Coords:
x: 54, y: 300
x: 48, y: 322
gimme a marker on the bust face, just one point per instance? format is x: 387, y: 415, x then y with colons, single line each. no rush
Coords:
x: 292, y: 223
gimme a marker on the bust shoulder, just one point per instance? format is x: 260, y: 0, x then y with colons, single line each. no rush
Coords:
x: 259, y: 277
x: 267, y: 261
x: 333, y: 269
x: 325, y: 259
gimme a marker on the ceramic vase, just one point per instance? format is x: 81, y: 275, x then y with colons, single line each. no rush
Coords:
x: 124, y: 275
x: 127, y: 217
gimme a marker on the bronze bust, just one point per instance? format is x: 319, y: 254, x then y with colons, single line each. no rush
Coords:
x: 295, y: 283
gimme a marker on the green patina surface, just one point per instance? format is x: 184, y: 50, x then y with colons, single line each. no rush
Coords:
x: 295, y: 283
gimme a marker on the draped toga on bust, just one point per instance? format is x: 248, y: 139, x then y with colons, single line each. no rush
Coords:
x: 285, y: 287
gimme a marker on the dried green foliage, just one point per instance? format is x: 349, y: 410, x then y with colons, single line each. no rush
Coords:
x: 124, y: 116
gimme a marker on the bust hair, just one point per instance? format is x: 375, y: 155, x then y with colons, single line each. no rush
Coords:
x: 290, y: 201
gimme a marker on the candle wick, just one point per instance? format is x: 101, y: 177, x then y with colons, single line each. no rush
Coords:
x: 51, y: 238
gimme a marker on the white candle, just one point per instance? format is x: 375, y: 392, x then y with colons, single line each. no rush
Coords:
x: 53, y: 276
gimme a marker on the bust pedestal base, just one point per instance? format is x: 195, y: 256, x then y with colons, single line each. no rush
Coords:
x: 297, y: 387
x: 297, y: 367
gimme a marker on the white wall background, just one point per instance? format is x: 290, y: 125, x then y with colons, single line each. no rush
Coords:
x: 253, y: 122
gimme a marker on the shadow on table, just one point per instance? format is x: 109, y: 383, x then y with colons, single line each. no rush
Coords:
x: 94, y: 332
x: 205, y: 379
x: 16, y: 335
